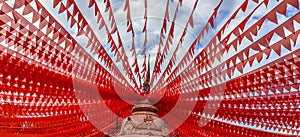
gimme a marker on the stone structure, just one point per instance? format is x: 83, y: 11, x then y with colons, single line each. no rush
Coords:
x: 143, y: 122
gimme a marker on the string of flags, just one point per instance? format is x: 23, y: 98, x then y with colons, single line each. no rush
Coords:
x: 47, y: 76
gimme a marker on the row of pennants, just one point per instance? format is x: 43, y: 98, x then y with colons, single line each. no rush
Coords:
x: 24, y: 66
x: 210, y: 51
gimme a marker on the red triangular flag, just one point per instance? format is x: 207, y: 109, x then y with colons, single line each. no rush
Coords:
x: 244, y: 6
x: 294, y: 38
x: 290, y: 26
x: 267, y: 52
x: 114, y: 30
x: 259, y: 57
x: 129, y: 28
x: 101, y: 24
x: 73, y: 21
x: 240, y: 67
x: 235, y: 44
x: 251, y: 60
x: 92, y: 3
x: 19, y: 3
x: 55, y: 3
x: 16, y: 16
x: 294, y: 3
x: 280, y: 32
x: 254, y: 31
x: 287, y: 44
x: 62, y: 8
x: 277, y: 49
x: 272, y: 17
x: 236, y: 32
x: 28, y: 9
x: 264, y: 42
x: 126, y: 5
x: 266, y: 2
x: 191, y: 22
x: 246, y: 52
x: 68, y: 15
x: 249, y: 37
x: 256, y: 47
x: 282, y: 8
x: 69, y: 3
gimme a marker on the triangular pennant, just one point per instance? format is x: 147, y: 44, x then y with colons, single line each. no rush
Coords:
x: 240, y: 56
x: 254, y: 31
x: 218, y: 56
x: 282, y: 8
x: 233, y: 59
x: 191, y: 21
x: 92, y: 3
x: 35, y: 17
x: 114, y: 30
x: 236, y: 32
x: 126, y: 5
x: 294, y: 38
x: 267, y: 52
x: 294, y: 3
x: 73, y: 21
x: 264, y: 42
x: 277, y: 49
x: 260, y: 23
x: 280, y: 32
x: 68, y: 15
x: 69, y: 3
x: 130, y: 28
x: 102, y: 24
x: 290, y: 26
x: 256, y: 47
x: 242, y: 24
x: 16, y: 16
x: 107, y: 6
x: 272, y: 17
x: 240, y: 67
x: 287, y: 44
x: 244, y: 6
x: 28, y: 9
x: 80, y: 18
x: 251, y: 60
x: 249, y: 37
x: 180, y: 2
x: 62, y: 8
x: 19, y: 3
x: 235, y: 44
x: 75, y: 11
x: 55, y: 3
x: 266, y: 2
x: 211, y: 22
x: 259, y: 57
x: 43, y: 24
x: 246, y: 52
x: 38, y: 5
